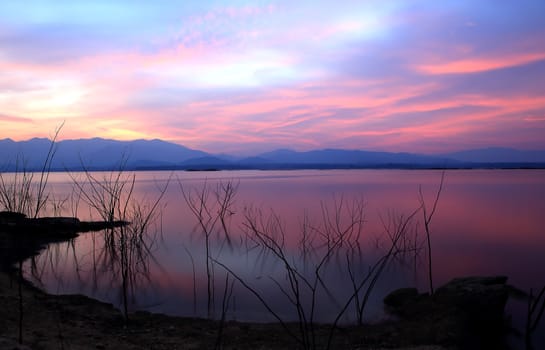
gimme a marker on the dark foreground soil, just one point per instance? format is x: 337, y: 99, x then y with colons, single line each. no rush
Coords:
x: 78, y: 322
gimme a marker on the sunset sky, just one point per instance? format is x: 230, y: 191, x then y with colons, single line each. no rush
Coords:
x: 248, y: 76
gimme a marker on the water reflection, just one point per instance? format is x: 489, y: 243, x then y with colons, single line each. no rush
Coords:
x: 488, y: 222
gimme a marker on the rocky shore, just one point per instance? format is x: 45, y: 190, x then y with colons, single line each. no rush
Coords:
x: 22, y: 237
x: 466, y: 313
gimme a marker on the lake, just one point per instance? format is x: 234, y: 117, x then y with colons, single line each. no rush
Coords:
x: 487, y: 222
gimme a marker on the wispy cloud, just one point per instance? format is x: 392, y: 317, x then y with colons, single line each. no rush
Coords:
x: 10, y: 119
x: 426, y: 76
x: 474, y: 65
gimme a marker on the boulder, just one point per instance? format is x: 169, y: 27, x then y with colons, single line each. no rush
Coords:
x: 7, y: 217
x: 398, y: 300
x: 466, y: 312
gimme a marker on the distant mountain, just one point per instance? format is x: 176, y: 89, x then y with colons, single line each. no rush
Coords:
x: 498, y: 155
x: 103, y: 154
x: 349, y: 157
x: 255, y: 160
x: 23, y: 155
x: 95, y: 153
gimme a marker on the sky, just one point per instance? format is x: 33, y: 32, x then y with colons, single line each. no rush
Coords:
x: 248, y: 76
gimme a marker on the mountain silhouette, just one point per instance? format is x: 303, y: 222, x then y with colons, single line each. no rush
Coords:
x: 104, y: 154
x: 498, y: 155
x: 95, y: 153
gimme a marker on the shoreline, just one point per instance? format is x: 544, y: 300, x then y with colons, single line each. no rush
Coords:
x: 79, y: 322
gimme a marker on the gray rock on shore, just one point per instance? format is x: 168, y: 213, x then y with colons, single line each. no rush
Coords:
x: 467, y: 311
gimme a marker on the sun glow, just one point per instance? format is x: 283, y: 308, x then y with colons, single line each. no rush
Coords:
x: 47, y: 99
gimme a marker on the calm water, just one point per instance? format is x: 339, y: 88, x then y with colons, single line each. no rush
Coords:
x: 488, y: 222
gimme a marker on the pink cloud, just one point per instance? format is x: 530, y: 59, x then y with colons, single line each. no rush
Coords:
x: 11, y: 119
x: 475, y: 65
x: 309, y: 116
x: 534, y: 119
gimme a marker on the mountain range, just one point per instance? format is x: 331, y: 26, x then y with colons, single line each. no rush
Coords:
x: 103, y: 154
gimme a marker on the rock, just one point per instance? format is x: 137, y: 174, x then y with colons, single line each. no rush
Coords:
x: 22, y: 237
x: 397, y: 300
x: 7, y: 217
x: 474, y: 281
x: 57, y: 221
x: 466, y: 312
x: 53, y: 227
x: 482, y: 298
